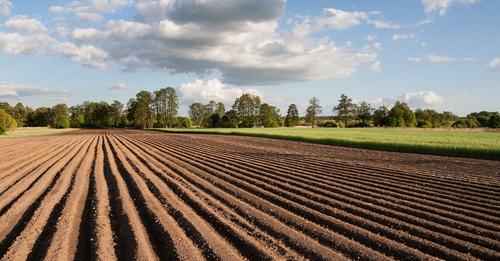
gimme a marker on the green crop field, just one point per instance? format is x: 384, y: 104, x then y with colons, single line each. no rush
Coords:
x: 448, y: 142
x: 29, y: 132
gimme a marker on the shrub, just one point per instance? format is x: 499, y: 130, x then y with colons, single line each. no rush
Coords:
x: 466, y: 123
x: 7, y: 123
x: 183, y: 123
x: 494, y: 121
x: 329, y: 124
x: 62, y: 122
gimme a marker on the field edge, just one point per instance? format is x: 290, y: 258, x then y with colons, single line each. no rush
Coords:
x: 485, y: 154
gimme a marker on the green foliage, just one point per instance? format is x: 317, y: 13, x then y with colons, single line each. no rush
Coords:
x: 62, y: 122
x: 474, y: 144
x: 184, y: 123
x: 313, y: 110
x: 269, y: 116
x: 364, y: 113
x: 345, y: 109
x: 466, y: 123
x: 7, y: 123
x: 141, y: 114
x: 381, y: 117
x: 494, y: 121
x: 329, y: 124
x: 41, y: 117
x: 197, y: 113
x: 401, y: 116
x: 292, y: 118
x: 59, y: 117
x: 247, y: 109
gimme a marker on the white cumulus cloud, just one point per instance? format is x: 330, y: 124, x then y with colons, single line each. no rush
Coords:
x: 414, y: 59
x: 433, y: 58
x: 417, y: 99
x: 403, y: 37
x: 5, y: 7
x: 9, y: 90
x: 494, y: 64
x: 22, y: 23
x: 441, y: 6
x: 119, y: 86
x: 376, y: 66
x: 205, y: 91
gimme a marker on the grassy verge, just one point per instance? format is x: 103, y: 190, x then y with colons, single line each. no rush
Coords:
x: 478, y: 144
x: 31, y: 132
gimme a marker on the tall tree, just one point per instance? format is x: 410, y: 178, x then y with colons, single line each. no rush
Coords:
x: 20, y: 114
x: 197, y: 113
x: 221, y: 109
x: 292, y: 116
x: 77, y: 118
x: 117, y: 115
x: 345, y: 109
x: 269, y: 116
x: 172, y: 107
x: 402, y: 116
x: 381, y: 116
x: 60, y: 117
x: 313, y: 110
x: 247, y: 108
x: 140, y: 110
x: 364, y: 113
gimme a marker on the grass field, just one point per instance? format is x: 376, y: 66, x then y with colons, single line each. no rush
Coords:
x: 464, y: 143
x: 29, y: 132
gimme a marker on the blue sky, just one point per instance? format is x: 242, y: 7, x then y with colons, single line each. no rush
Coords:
x: 441, y: 54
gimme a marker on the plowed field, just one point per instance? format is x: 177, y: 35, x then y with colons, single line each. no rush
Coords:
x: 127, y: 195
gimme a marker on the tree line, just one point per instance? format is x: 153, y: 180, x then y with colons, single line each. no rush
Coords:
x: 160, y: 109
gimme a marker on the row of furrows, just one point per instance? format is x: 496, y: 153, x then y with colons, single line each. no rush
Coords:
x: 345, y: 181
x: 205, y: 162
x: 301, y: 188
x: 467, y: 174
x: 146, y: 197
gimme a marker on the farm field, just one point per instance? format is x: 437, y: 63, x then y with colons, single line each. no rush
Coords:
x: 32, y: 131
x: 482, y: 144
x: 125, y: 194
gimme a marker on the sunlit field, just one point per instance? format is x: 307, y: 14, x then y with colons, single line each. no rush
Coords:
x: 466, y: 143
x: 29, y: 132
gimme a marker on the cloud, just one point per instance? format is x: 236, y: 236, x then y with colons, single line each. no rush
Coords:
x: 5, y: 7
x: 339, y: 19
x: 201, y: 91
x: 441, y: 6
x: 247, y: 49
x: 414, y: 59
x: 9, y: 90
x: 90, y: 10
x: 86, y: 54
x: 376, y: 66
x: 494, y: 64
x: 15, y: 43
x: 380, y: 24
x: 371, y: 38
x: 402, y: 37
x: 416, y: 99
x: 119, y: 86
x: 440, y: 59
x: 22, y: 23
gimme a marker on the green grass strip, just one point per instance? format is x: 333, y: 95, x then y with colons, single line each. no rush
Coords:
x: 470, y: 144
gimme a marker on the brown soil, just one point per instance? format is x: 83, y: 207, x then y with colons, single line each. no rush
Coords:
x: 122, y: 195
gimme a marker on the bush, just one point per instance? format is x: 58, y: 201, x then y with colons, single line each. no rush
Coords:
x: 466, y: 123
x: 494, y: 121
x: 62, y: 122
x: 329, y: 124
x: 7, y: 123
x: 184, y: 123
